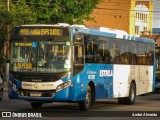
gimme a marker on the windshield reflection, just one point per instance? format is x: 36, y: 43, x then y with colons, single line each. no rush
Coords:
x: 54, y: 56
x: 40, y: 56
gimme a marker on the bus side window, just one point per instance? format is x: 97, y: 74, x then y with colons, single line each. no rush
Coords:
x: 133, y: 59
x: 151, y: 58
x: 89, y: 54
x: 116, y: 55
x: 125, y: 58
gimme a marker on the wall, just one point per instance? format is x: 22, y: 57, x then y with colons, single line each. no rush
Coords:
x: 119, y: 14
x: 115, y: 14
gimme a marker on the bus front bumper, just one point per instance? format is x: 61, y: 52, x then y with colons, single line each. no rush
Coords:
x: 44, y: 96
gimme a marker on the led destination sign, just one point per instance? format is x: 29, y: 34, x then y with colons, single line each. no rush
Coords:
x: 40, y: 31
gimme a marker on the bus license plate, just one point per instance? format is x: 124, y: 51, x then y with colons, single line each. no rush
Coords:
x: 35, y: 94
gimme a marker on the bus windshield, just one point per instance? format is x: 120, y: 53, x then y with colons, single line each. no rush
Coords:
x: 40, y: 56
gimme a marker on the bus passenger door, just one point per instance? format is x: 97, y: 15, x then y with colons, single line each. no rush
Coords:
x: 78, y: 56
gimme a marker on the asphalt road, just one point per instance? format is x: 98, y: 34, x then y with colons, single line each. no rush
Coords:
x: 144, y: 105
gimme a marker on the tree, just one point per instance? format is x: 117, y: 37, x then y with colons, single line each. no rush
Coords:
x: 64, y: 11
x: 43, y: 11
x: 18, y: 14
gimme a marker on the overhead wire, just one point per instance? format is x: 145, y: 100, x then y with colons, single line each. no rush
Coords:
x: 154, y: 11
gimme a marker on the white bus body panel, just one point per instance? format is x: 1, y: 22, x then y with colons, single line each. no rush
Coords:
x: 124, y: 74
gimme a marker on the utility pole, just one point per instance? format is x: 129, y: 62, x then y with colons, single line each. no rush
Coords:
x: 7, y: 45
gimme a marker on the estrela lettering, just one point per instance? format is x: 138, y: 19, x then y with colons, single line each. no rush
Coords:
x: 106, y: 73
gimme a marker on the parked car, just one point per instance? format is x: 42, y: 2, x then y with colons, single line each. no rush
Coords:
x: 1, y: 87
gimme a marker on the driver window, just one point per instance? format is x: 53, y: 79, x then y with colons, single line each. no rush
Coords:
x: 79, y: 54
x: 78, y: 58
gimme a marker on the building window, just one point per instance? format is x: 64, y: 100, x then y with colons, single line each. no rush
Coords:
x: 145, y: 29
x: 140, y: 16
x: 137, y: 30
x: 143, y: 17
x: 137, y: 15
x: 146, y: 18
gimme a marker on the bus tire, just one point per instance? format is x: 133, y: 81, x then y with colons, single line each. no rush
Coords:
x: 84, y: 105
x: 132, y: 95
x: 93, y: 95
x: 121, y: 101
x: 36, y: 105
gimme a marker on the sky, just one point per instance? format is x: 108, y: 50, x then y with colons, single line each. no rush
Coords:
x: 156, y: 14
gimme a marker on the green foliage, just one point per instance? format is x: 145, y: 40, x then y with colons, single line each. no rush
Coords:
x: 43, y: 11
x: 62, y: 11
x: 2, y: 60
x: 18, y: 14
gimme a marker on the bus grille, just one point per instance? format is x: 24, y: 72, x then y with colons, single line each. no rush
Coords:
x: 37, y: 93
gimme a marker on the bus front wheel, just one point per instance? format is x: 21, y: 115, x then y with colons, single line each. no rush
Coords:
x: 36, y: 105
x: 85, y: 104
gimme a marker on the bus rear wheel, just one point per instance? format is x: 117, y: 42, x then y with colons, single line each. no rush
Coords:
x: 36, y: 105
x: 121, y: 101
x: 131, y: 98
x: 132, y: 95
x: 85, y: 104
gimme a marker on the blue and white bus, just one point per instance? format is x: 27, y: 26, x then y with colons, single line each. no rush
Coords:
x: 55, y: 63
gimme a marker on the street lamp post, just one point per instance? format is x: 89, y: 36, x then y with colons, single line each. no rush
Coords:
x: 7, y: 47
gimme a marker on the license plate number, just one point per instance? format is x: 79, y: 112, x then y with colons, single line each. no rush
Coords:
x: 35, y: 94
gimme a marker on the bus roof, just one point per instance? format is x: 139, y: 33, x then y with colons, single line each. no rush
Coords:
x: 112, y: 34
x: 45, y: 25
x: 102, y: 31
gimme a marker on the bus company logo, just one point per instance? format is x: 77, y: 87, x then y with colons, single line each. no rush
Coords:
x: 30, y: 85
x: 6, y: 114
x: 106, y: 73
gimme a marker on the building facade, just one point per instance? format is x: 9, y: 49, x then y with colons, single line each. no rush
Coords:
x: 144, y: 17
x: 129, y: 15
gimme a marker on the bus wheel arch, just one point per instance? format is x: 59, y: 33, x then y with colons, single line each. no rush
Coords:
x: 134, y: 82
x: 132, y: 94
x: 93, y: 92
x: 84, y: 105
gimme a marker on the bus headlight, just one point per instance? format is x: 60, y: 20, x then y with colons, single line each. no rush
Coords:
x: 63, y: 85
